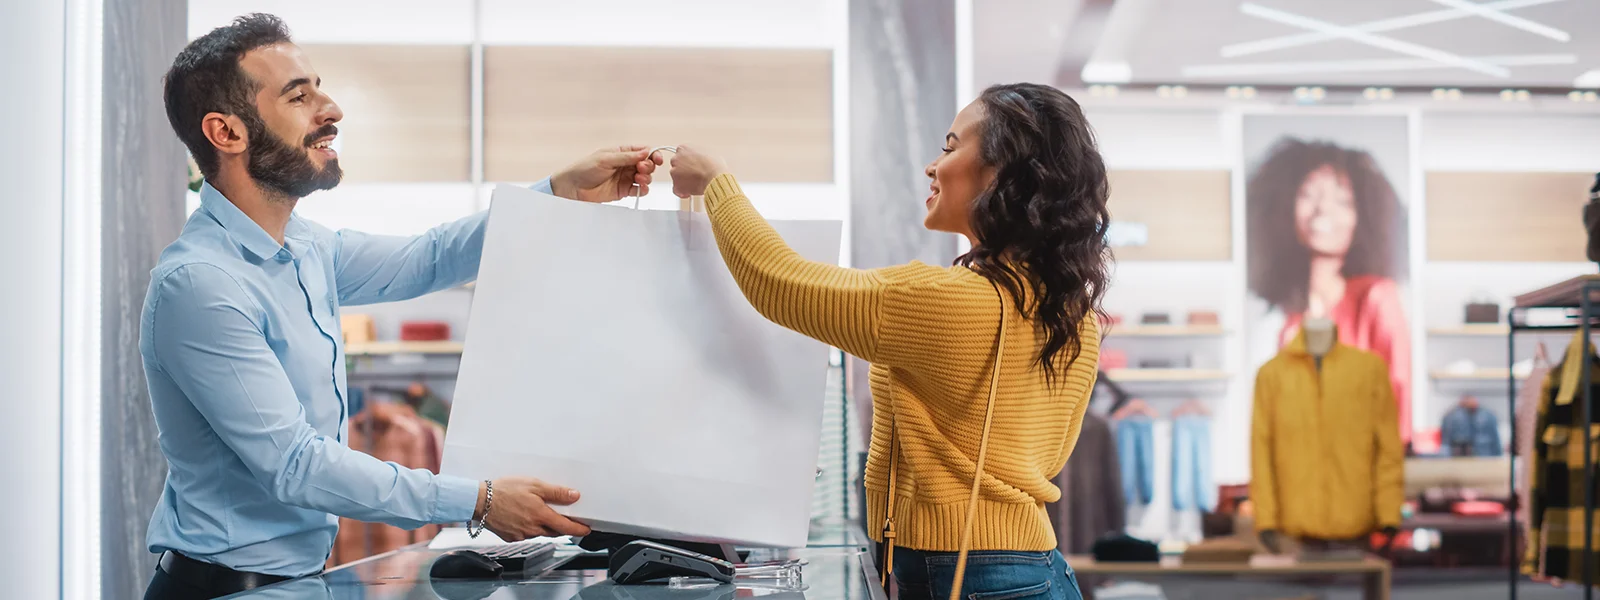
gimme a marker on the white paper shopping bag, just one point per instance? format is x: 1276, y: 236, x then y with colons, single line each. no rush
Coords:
x: 609, y: 350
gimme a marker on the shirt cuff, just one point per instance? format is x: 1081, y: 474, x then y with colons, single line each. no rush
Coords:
x: 454, y: 499
x: 543, y: 187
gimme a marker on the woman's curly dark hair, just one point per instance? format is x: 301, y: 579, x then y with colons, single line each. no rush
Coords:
x: 1040, y: 228
x: 1279, y: 263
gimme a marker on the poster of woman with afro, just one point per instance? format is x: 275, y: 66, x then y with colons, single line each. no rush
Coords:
x: 1326, y: 235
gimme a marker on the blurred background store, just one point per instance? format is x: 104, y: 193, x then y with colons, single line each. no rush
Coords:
x: 1464, y: 133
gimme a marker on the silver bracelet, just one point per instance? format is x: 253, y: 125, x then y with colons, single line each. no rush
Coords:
x: 475, y: 527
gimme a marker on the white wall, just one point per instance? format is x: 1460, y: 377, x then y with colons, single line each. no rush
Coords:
x: 32, y: 37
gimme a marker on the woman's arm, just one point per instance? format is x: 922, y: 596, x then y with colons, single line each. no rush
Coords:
x: 839, y: 306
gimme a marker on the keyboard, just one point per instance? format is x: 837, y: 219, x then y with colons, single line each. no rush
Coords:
x: 515, y: 557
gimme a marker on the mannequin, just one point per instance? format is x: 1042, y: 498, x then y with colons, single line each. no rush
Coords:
x: 1320, y: 336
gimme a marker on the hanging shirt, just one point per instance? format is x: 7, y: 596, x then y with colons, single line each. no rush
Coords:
x: 1556, y: 510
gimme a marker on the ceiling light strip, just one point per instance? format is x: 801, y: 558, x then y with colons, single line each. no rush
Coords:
x: 1502, y: 18
x: 1371, y: 65
x: 1394, y: 24
x: 1374, y: 40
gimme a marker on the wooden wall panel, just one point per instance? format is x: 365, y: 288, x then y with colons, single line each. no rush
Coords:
x: 1515, y: 216
x: 769, y: 112
x: 1189, y: 214
x: 407, y: 110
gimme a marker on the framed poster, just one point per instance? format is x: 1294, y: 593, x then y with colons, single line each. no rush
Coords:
x: 1326, y: 208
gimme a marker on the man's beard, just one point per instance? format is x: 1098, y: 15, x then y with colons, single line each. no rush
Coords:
x: 279, y: 167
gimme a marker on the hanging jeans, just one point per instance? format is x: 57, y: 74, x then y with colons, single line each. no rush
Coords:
x: 1191, y: 464
x: 1136, y: 455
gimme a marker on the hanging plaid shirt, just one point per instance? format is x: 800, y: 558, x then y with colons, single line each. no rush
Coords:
x: 1556, y: 505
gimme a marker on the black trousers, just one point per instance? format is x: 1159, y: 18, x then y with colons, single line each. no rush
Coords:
x: 202, y: 584
x: 167, y: 587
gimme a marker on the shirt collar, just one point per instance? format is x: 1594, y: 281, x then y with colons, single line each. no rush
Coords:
x: 243, y: 229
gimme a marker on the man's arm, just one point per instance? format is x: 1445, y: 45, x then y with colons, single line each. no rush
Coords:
x: 206, y: 339
x: 384, y: 268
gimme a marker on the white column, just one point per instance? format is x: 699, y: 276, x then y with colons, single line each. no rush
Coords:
x: 32, y: 40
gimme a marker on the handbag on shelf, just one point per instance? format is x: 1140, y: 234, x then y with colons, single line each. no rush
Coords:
x: 1155, y: 318
x: 1482, y: 310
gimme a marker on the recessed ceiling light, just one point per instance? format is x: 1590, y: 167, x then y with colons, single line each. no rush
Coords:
x: 1523, y: 95
x: 1318, y: 93
x: 1386, y: 93
x: 1179, y: 91
x: 1370, y: 93
x: 1249, y: 91
x: 1590, y: 96
x: 1454, y: 93
x: 1507, y: 95
x: 1575, y: 96
x: 1233, y: 92
x: 1439, y: 93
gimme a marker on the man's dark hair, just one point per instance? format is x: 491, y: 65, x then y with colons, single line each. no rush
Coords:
x: 1279, y: 264
x: 206, y: 78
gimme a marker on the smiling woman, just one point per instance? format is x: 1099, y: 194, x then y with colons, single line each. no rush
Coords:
x: 1016, y: 320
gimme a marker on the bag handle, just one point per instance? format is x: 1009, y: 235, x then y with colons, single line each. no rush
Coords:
x: 977, y: 476
x: 695, y: 203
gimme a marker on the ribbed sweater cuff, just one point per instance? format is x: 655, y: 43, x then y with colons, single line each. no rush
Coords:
x: 721, y: 190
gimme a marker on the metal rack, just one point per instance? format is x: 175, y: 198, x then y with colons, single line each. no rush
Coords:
x: 1584, y: 308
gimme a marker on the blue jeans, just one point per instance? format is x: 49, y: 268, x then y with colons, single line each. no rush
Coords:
x: 991, y: 575
x: 1191, y: 465
x: 1136, y: 456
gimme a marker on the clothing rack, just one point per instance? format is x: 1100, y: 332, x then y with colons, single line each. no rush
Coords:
x: 1582, y: 294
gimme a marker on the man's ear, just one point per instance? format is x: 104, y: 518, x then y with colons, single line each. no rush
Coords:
x: 226, y: 132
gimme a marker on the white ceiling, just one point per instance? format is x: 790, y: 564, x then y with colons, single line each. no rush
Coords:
x: 1458, y: 43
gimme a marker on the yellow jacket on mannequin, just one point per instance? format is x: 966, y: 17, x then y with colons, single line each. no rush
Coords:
x: 1325, y: 452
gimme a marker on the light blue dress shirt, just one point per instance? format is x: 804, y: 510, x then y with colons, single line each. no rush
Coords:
x: 245, y: 361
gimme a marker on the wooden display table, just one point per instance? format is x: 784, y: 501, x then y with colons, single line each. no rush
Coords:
x: 1374, y: 572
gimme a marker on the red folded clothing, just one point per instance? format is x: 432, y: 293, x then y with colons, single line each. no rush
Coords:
x: 424, y: 331
x: 1478, y: 508
x: 1111, y: 358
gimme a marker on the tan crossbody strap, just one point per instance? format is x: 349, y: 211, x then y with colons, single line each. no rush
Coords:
x: 983, y: 451
x: 977, y: 477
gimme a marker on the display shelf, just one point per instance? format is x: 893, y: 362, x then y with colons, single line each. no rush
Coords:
x: 1472, y: 330
x: 1127, y: 331
x: 392, y: 348
x: 1165, y: 375
x: 1496, y: 375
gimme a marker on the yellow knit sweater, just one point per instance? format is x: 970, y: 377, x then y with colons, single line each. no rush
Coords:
x: 930, y: 334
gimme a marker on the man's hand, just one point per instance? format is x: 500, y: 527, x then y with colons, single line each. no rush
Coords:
x: 521, y: 510
x: 607, y: 175
x: 693, y: 170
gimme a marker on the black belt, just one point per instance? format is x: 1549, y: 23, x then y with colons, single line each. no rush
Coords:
x: 213, y: 578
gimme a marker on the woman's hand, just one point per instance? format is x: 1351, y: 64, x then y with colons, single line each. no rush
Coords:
x: 606, y: 175
x: 693, y: 170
